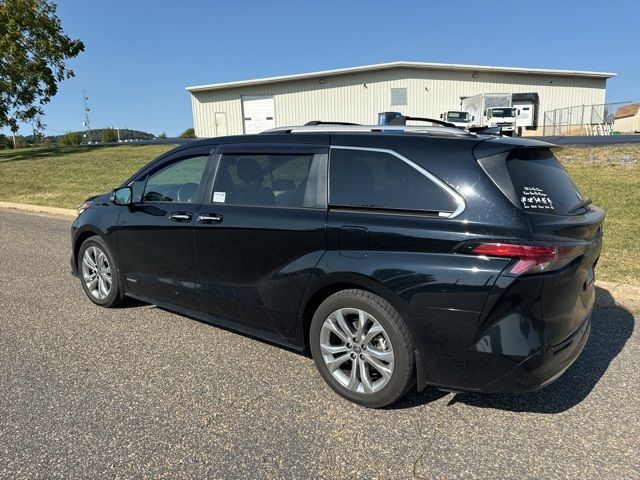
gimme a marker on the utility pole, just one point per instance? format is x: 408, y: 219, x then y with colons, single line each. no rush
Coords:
x: 86, y: 122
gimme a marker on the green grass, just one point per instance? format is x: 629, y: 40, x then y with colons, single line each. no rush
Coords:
x: 64, y: 177
x: 610, y: 176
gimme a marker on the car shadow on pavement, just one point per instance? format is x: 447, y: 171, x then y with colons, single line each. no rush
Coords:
x: 133, y: 303
x: 417, y: 399
x: 610, y: 330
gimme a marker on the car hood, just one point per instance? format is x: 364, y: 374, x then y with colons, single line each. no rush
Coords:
x: 101, y: 198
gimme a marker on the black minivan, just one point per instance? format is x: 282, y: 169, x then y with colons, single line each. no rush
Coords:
x: 396, y: 255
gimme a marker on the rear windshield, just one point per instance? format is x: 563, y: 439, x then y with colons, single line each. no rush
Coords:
x: 542, y: 185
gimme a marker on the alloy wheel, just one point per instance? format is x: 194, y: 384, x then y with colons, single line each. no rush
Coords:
x: 357, y: 351
x: 96, y: 272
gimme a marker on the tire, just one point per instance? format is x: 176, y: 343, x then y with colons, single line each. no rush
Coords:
x: 99, y: 291
x: 384, y: 333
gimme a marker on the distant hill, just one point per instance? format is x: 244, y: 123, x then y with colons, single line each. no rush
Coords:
x: 96, y: 136
x: 125, y: 134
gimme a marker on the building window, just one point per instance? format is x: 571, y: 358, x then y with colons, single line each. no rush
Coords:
x: 398, y: 96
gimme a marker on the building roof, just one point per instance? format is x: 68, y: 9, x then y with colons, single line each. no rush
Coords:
x: 627, y: 110
x: 390, y: 65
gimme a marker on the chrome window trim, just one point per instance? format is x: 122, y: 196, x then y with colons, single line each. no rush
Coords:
x: 450, y: 191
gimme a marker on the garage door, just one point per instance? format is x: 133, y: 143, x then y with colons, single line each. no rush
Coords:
x: 259, y: 113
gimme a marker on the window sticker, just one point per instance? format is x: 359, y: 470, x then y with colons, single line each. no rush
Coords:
x: 219, y: 197
x: 535, y: 199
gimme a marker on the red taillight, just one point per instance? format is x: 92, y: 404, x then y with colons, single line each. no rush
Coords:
x: 530, y: 258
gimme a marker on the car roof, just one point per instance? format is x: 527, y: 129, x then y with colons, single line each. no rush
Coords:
x: 323, y: 135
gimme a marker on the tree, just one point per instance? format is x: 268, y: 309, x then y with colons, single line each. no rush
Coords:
x: 5, y: 142
x: 33, y: 54
x: 71, y: 138
x: 109, y: 135
x: 188, y: 133
x: 162, y: 136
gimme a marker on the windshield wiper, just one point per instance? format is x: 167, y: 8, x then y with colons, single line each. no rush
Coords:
x: 582, y: 204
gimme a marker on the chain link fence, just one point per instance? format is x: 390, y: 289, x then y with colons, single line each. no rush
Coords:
x: 581, y: 119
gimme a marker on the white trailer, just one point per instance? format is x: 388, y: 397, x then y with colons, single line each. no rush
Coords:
x: 491, y: 110
x: 527, y: 106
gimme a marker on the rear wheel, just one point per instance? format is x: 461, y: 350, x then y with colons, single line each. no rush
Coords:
x: 362, y: 348
x: 99, y: 274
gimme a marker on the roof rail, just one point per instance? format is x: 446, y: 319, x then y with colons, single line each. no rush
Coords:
x: 315, y: 123
x: 332, y: 127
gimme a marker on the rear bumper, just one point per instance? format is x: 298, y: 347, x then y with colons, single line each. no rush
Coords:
x: 538, y: 371
x: 495, y: 372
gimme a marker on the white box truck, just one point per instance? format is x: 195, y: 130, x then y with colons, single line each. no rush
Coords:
x: 459, y: 119
x: 491, y: 110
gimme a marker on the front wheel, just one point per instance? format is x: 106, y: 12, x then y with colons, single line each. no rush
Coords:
x: 98, y: 273
x: 362, y: 348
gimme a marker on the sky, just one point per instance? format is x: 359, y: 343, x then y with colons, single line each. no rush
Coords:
x: 140, y: 55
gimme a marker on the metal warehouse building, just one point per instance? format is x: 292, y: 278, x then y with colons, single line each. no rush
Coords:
x: 358, y: 94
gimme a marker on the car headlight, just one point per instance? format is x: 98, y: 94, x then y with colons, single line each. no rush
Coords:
x: 83, y: 207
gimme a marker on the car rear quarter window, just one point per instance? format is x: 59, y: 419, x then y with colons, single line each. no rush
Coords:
x: 540, y: 182
x: 380, y: 180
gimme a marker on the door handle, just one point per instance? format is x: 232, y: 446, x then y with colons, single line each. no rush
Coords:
x: 209, y: 218
x: 180, y: 217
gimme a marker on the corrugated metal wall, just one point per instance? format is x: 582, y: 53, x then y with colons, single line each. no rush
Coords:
x: 359, y: 97
x: 627, y: 124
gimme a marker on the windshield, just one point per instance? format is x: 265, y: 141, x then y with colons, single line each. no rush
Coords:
x: 503, y: 112
x: 457, y: 116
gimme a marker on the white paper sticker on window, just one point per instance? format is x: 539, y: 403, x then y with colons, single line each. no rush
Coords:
x: 536, y: 199
x: 219, y: 197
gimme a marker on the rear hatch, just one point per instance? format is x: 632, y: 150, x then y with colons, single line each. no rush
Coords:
x: 559, y: 215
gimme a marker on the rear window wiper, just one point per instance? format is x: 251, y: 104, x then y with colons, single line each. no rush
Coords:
x: 582, y: 204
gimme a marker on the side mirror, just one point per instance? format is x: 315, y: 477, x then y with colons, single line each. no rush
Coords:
x: 442, y: 115
x: 122, y: 196
x: 473, y: 117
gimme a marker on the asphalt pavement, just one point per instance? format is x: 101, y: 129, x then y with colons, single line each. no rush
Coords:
x: 140, y: 392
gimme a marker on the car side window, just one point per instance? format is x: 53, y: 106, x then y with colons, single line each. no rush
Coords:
x: 380, y: 180
x: 277, y: 180
x: 176, y: 182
